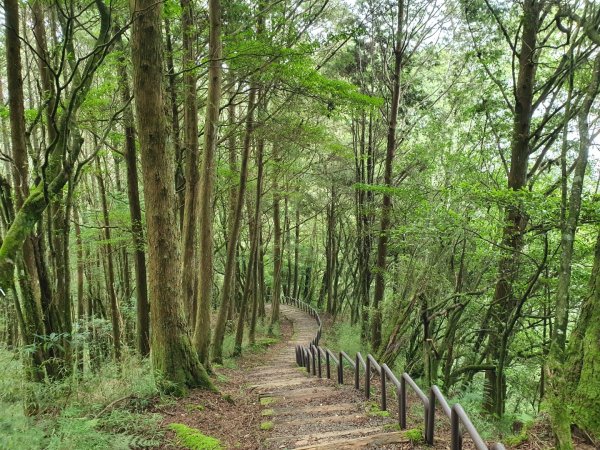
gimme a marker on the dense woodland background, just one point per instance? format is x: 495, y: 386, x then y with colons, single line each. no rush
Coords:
x: 424, y: 172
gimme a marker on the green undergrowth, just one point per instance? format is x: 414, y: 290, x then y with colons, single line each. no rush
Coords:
x: 106, y: 409
x: 193, y: 439
x: 344, y: 336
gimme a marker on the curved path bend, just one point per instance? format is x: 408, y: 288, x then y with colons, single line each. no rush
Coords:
x: 307, y: 412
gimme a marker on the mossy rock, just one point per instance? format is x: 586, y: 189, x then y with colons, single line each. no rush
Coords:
x: 266, y: 426
x: 193, y: 439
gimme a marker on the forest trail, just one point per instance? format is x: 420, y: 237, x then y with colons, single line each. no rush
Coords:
x: 306, y: 412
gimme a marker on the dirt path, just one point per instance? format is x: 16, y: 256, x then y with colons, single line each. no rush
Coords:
x: 302, y: 411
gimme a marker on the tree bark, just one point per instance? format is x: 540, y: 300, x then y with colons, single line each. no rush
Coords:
x: 386, y: 208
x: 211, y: 128
x: 135, y: 212
x: 234, y: 233
x: 173, y: 356
x: 515, y: 216
x: 192, y: 171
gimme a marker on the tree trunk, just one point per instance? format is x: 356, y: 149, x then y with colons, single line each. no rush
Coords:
x: 234, y: 233
x: 211, y: 125
x: 277, y: 251
x: 386, y: 208
x: 175, y: 132
x: 515, y: 216
x: 173, y: 356
x: 258, y: 230
x: 135, y: 211
x: 558, y: 392
x: 115, y: 315
x: 32, y: 324
x: 192, y: 171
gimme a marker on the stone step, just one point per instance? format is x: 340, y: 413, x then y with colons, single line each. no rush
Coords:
x: 377, y: 440
x: 319, y: 438
x: 316, y: 409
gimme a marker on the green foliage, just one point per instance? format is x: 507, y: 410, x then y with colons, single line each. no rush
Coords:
x: 344, y: 336
x: 73, y: 412
x: 18, y: 432
x: 193, y: 439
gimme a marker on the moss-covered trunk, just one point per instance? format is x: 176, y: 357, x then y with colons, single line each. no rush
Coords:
x: 173, y: 356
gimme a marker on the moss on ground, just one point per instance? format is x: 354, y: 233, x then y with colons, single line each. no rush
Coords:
x: 266, y: 426
x: 414, y: 435
x: 373, y: 409
x: 266, y: 401
x: 193, y: 439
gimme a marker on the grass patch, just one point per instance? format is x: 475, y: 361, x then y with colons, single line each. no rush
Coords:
x: 193, y: 439
x: 266, y: 426
x: 267, y: 412
x: 415, y: 435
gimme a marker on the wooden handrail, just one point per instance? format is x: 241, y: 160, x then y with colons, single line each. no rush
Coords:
x: 456, y: 413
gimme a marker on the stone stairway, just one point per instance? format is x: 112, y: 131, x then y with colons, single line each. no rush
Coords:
x: 305, y: 412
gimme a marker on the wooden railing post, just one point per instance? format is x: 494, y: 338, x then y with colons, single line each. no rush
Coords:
x: 357, y: 373
x: 430, y: 418
x: 319, y: 359
x: 368, y: 378
x: 327, y: 363
x: 456, y: 439
x: 383, y: 389
x: 402, y: 403
x: 307, y: 353
x: 341, y: 369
